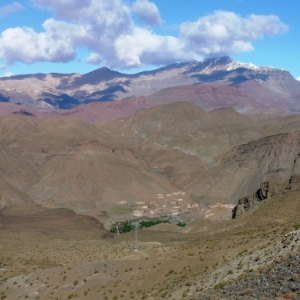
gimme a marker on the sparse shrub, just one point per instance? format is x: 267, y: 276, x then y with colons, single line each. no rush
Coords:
x: 295, y: 277
x: 297, y: 226
x: 181, y: 224
x: 219, y: 286
x: 170, y: 272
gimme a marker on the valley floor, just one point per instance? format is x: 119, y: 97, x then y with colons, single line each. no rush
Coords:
x: 56, y: 254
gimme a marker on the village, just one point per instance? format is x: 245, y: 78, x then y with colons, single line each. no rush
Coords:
x: 173, y: 204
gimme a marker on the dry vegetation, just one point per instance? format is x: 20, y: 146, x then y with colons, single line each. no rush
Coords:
x: 56, y: 254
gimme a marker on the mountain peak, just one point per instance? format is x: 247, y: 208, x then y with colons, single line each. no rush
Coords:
x: 225, y: 63
x: 96, y: 76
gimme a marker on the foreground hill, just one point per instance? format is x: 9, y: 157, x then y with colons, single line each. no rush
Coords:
x: 54, y: 253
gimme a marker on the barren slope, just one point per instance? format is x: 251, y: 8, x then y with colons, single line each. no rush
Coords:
x: 59, y: 163
x: 183, y: 141
x: 245, y: 167
x: 84, y: 166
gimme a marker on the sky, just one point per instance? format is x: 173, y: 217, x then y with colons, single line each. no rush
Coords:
x: 79, y: 36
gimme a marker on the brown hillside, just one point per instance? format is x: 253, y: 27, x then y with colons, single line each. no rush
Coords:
x: 72, y: 164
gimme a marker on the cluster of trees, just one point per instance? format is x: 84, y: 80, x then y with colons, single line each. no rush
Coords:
x: 130, y: 225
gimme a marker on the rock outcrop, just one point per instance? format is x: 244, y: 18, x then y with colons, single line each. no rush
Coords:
x: 266, y: 190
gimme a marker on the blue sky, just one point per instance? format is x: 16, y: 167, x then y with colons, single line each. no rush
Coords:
x: 66, y: 36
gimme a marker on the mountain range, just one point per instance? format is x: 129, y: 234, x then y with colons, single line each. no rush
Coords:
x: 105, y: 95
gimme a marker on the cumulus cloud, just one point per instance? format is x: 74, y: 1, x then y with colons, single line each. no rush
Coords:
x: 93, y: 12
x: 147, y: 12
x: 10, y: 8
x: 226, y: 32
x: 57, y: 43
x: 98, y: 22
x: 94, y: 59
x: 107, y: 30
x: 144, y: 47
x: 63, y: 7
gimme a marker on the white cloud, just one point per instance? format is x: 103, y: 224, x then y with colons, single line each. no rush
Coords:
x: 63, y: 8
x: 298, y: 78
x: 147, y: 11
x: 25, y: 45
x: 94, y: 59
x: 107, y: 30
x: 10, y: 8
x: 100, y: 14
x: 8, y: 74
x: 144, y: 47
x: 94, y: 24
x: 226, y: 32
